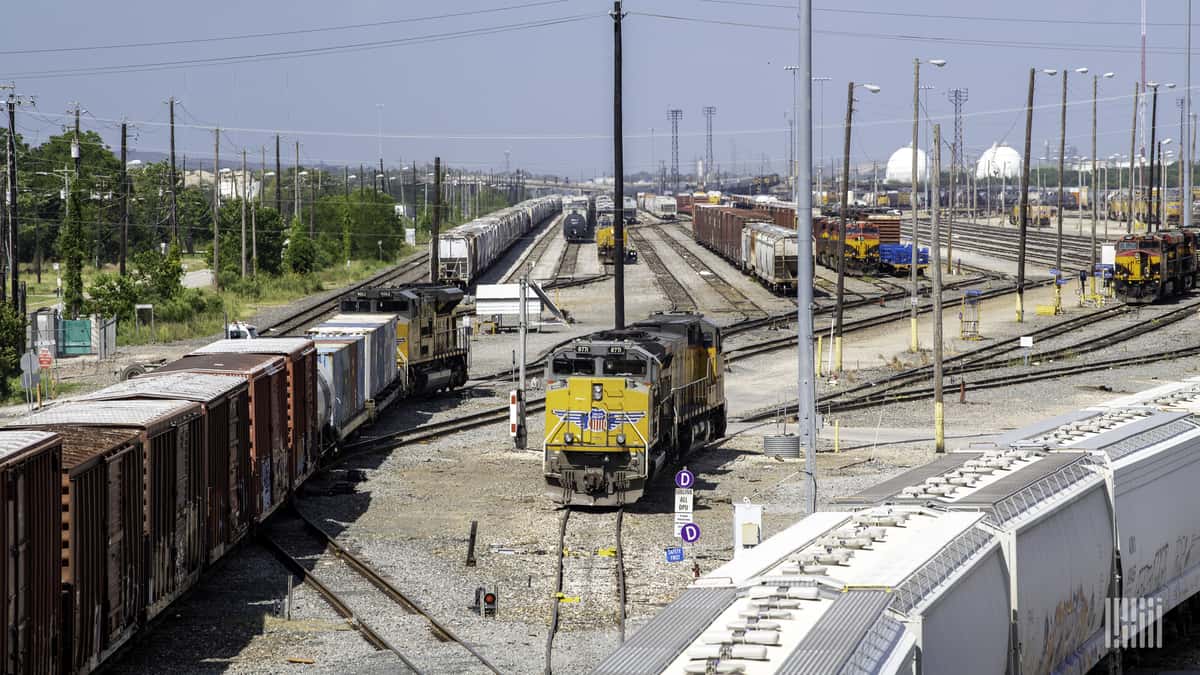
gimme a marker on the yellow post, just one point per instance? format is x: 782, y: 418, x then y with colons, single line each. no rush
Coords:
x: 820, y: 351
x: 1020, y: 310
x: 939, y: 427
x: 913, y: 345
x: 837, y: 436
x: 837, y: 354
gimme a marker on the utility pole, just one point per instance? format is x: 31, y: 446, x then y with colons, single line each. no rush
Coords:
x: 806, y: 413
x: 958, y: 98
x: 619, y: 172
x: 76, y: 148
x: 297, y: 213
x: 709, y: 112
x: 278, y: 184
x: 913, y: 344
x: 1188, y: 138
x: 1133, y: 159
x: 939, y: 417
x: 174, y: 180
x: 436, y: 225
x: 244, y: 213
x: 37, y: 258
x: 1151, y: 200
x: 841, y: 243
x: 1025, y: 203
x: 1094, y: 196
x: 1062, y: 150
x: 520, y: 437
x: 217, y: 208
x: 14, y: 220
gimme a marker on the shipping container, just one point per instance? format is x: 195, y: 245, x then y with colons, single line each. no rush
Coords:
x: 269, y: 450
x: 380, y: 331
x: 30, y: 563
x: 301, y: 364
x: 226, y: 403
x: 339, y: 392
x: 172, y: 438
x: 348, y: 389
x: 379, y: 346
x: 770, y: 254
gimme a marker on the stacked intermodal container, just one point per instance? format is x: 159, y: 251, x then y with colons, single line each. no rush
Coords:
x: 269, y: 451
x: 378, y: 333
x: 336, y: 361
x: 225, y: 400
x: 300, y: 361
x: 31, y: 561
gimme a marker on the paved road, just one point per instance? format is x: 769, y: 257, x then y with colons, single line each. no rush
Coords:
x: 198, y: 279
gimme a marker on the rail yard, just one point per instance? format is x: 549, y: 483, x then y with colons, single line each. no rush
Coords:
x: 531, y: 380
x: 383, y: 521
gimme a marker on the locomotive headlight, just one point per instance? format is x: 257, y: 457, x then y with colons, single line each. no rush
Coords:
x: 569, y: 438
x: 620, y: 439
x: 597, y: 392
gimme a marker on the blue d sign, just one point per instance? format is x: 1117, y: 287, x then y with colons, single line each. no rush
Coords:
x: 685, y: 479
x: 690, y: 532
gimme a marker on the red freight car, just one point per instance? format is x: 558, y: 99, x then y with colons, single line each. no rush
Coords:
x: 303, y: 425
x: 719, y: 228
x: 226, y: 403
x: 30, y: 562
x: 269, y: 451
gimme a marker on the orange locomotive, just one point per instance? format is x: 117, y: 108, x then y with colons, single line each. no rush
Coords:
x: 1155, y: 266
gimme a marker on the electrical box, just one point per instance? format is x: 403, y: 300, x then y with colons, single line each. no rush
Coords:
x: 747, y: 527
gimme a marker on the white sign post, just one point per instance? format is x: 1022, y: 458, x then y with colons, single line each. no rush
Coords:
x: 683, y: 508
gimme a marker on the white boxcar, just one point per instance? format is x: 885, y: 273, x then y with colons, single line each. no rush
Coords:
x: 663, y: 208
x: 769, y: 254
x: 468, y: 250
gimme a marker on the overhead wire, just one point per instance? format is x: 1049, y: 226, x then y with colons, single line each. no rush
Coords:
x: 273, y: 34
x: 304, y: 52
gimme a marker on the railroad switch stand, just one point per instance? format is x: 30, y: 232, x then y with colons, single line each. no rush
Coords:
x: 968, y: 316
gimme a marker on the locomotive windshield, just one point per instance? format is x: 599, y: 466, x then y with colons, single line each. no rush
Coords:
x: 567, y: 365
x: 1127, y: 246
x: 624, y: 366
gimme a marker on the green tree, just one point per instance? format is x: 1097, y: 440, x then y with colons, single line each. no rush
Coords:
x: 160, y: 276
x: 270, y: 241
x: 300, y: 256
x: 112, y: 295
x: 12, y: 343
x: 73, y: 246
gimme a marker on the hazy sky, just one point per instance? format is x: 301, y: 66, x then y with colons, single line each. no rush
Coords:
x: 468, y: 87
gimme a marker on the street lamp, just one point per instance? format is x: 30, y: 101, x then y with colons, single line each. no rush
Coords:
x: 1095, y: 192
x: 937, y: 63
x: 841, y: 243
x: 1062, y: 149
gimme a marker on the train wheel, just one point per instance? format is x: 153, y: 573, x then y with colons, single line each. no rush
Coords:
x: 718, y: 423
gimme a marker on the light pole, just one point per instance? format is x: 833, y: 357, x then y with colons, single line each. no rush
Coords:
x: 1186, y: 139
x: 913, y: 344
x: 820, y: 80
x: 1159, y: 200
x: 1062, y: 149
x: 1152, y: 197
x: 1095, y: 193
x: 841, y: 243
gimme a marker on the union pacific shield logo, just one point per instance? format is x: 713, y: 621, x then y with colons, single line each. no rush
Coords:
x: 598, y: 420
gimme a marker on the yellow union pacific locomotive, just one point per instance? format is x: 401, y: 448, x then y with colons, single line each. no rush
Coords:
x: 621, y: 404
x: 1154, y: 266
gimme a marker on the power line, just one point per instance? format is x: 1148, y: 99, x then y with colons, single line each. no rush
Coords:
x: 295, y: 53
x: 284, y: 33
x: 973, y: 42
x: 940, y: 17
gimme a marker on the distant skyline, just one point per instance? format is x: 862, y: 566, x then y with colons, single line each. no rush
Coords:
x: 534, y: 78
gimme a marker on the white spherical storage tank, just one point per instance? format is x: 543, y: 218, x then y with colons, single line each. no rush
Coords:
x: 999, y: 161
x: 899, y: 166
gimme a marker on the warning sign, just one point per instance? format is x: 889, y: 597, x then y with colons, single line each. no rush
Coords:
x: 45, y: 360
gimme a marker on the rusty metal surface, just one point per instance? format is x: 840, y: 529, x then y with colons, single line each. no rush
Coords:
x: 142, y: 414
x: 200, y: 387
x: 243, y: 364
x: 293, y: 346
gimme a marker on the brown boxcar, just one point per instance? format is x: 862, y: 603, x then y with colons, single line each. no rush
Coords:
x: 226, y: 403
x: 269, y: 449
x: 303, y: 425
x: 30, y: 563
x: 719, y: 228
x: 169, y: 439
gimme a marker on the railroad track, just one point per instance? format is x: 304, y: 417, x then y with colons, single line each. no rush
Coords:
x: 737, y: 300
x: 994, y: 357
x: 1040, y: 250
x: 568, y: 261
x: 676, y: 293
x: 585, y: 575
x: 412, y: 269
x: 545, y: 237
x: 364, y: 597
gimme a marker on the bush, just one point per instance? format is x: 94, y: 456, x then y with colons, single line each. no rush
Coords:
x: 12, y: 342
x: 190, y: 302
x: 112, y: 295
x: 301, y: 254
